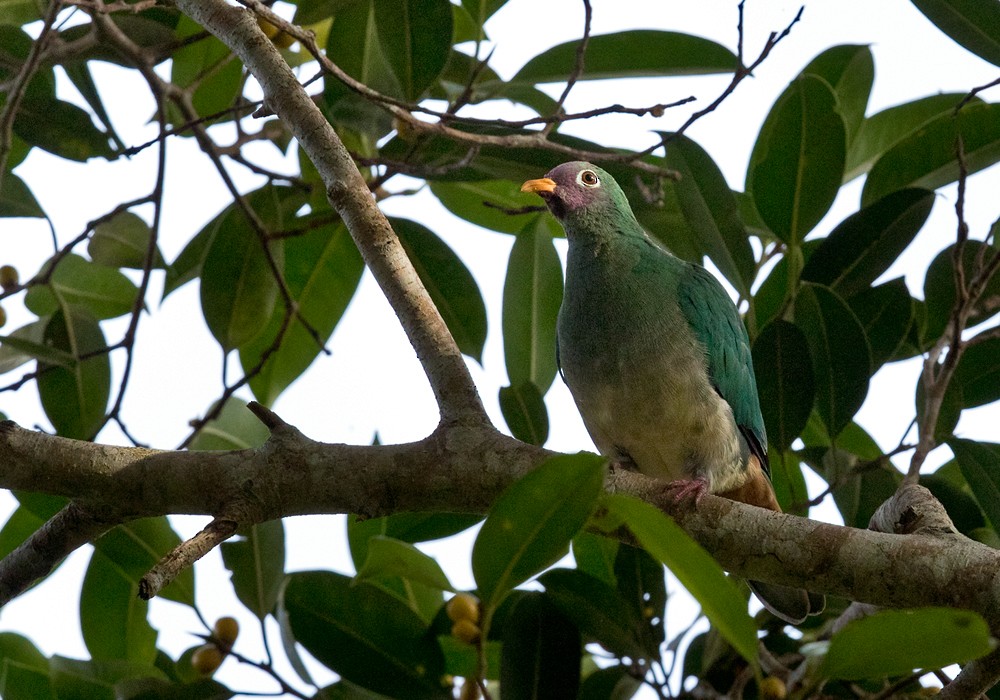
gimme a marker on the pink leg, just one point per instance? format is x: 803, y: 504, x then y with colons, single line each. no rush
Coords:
x: 684, y: 489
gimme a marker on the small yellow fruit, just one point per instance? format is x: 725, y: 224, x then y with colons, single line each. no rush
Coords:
x: 206, y: 659
x: 278, y: 37
x: 9, y: 279
x: 773, y: 688
x: 463, y: 606
x: 226, y: 630
x: 466, y: 631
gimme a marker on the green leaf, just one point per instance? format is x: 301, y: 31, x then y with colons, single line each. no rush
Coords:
x: 123, y: 242
x: 104, y: 292
x: 640, y: 580
x: 886, y: 314
x: 616, y: 682
x: 939, y: 287
x: 540, y: 657
x: 113, y: 616
x: 532, y: 294
x: 21, y: 650
x: 205, y: 63
x: 637, y: 53
x: 530, y: 526
x: 788, y: 481
x: 449, y: 283
x: 980, y: 465
x: 388, y: 557
x: 595, y: 555
x: 235, y: 428
x: 711, y: 211
x: 21, y: 682
x: 972, y: 24
x: 850, y: 70
x: 698, y: 572
x: 486, y: 202
x: 598, y: 610
x: 364, y: 634
x: 798, y: 160
x: 28, y: 343
x: 19, y: 12
x: 883, y: 130
x: 136, y: 547
x: 524, y: 411
x: 83, y: 80
x: 16, y: 199
x: 935, y: 637
x: 865, y: 244
x: 322, y: 270
x: 20, y: 525
x: 75, y: 398
x: 61, y: 128
x: 840, y: 354
x: 927, y: 157
x: 977, y: 375
x: 416, y: 41
x: 785, y: 384
x: 962, y: 507
x: 256, y: 560
x: 407, y: 527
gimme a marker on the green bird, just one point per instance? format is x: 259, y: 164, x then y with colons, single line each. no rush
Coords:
x: 657, y: 358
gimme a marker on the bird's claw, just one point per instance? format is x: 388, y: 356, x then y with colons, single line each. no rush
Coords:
x: 688, y: 489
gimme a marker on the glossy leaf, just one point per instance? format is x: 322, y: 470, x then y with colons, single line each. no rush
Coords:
x: 75, y: 398
x: 711, y: 211
x: 595, y: 555
x: 449, y: 283
x: 850, y: 70
x: 104, y: 292
x: 388, y: 557
x: 407, y: 527
x: 207, y: 65
x: 16, y: 198
x: 486, y: 202
x: 21, y: 682
x: 256, y: 561
x: 980, y: 465
x: 883, y: 130
x: 640, y: 580
x: 364, y: 634
x: 886, y: 314
x: 939, y: 287
x: 698, y: 572
x: 322, y: 270
x: 21, y: 650
x: 870, y: 647
x: 977, y: 375
x: 530, y: 525
x: 927, y: 157
x: 840, y: 354
x: 136, y: 547
x: 122, y: 242
x: 798, y: 160
x: 540, y: 657
x: 972, y: 24
x: 532, y: 295
x: 962, y: 507
x: 28, y: 343
x: 112, y: 615
x: 785, y: 384
x: 61, y: 128
x: 631, y: 54
x: 525, y: 413
x: 416, y: 41
x: 788, y: 481
x: 235, y: 428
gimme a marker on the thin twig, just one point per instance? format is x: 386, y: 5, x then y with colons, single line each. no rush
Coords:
x: 581, y: 51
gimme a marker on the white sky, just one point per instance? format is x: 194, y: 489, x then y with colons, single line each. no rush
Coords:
x: 373, y: 383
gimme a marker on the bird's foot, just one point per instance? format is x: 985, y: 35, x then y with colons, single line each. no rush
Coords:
x: 688, y: 489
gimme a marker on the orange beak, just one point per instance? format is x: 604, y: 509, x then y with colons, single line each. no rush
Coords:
x: 539, y: 186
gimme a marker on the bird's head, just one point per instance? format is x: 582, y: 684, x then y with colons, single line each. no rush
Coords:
x: 578, y: 188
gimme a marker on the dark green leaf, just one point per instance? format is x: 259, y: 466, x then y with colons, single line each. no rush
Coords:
x: 322, y: 270
x: 483, y: 202
x: 256, y: 560
x: 113, y: 616
x: 788, y: 480
x: 973, y: 24
x: 611, y: 683
x: 20, y: 12
x: 75, y: 398
x: 16, y: 199
x: 416, y: 41
x: 20, y: 525
x: 777, y: 291
x: 235, y: 428
x: 104, y: 292
x: 640, y: 580
x: 595, y: 555
x: 785, y: 385
x: 939, y: 287
x: 935, y: 637
x: 21, y: 682
x: 208, y: 65
x: 886, y: 314
x: 711, y: 211
x: 449, y: 283
x: 598, y: 610
x: 482, y: 10
x: 850, y: 70
x: 524, y: 411
x: 313, y: 11
x: 388, y: 557
x: 883, y: 130
x: 135, y: 547
x: 408, y: 527
x: 530, y: 526
x: 962, y: 508
x: 798, y: 160
x: 977, y: 375
x: 632, y: 54
x: 540, y: 657
x: 865, y: 244
x: 840, y: 354
x: 61, y: 128
x: 364, y: 634
x: 122, y: 242
x: 28, y: 343
x: 980, y: 465
x: 14, y: 647
x: 532, y: 294
x: 698, y: 572
x: 928, y: 158
x: 83, y: 80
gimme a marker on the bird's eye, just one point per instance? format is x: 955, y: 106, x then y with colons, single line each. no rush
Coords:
x: 588, y: 178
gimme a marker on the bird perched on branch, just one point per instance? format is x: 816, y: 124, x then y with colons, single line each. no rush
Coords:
x: 657, y: 358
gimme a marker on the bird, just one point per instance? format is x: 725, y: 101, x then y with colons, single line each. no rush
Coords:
x: 657, y: 358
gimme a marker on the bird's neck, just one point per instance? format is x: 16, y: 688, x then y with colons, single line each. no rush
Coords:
x: 595, y: 229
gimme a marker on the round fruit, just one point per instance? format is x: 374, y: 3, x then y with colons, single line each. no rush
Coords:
x: 206, y: 659
x: 8, y: 278
x: 3, y: 317
x: 466, y: 631
x: 463, y: 606
x: 226, y: 630
x: 773, y: 688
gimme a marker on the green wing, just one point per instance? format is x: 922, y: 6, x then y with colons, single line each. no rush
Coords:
x: 716, y: 323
